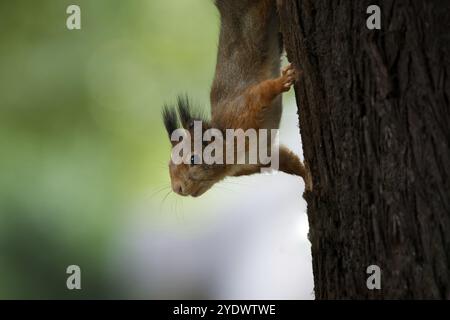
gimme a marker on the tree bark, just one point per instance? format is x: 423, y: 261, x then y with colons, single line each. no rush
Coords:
x: 374, y: 110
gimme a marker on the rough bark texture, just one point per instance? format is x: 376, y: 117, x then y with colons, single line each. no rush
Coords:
x: 374, y: 109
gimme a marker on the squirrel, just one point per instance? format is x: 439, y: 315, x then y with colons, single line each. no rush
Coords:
x: 245, y: 93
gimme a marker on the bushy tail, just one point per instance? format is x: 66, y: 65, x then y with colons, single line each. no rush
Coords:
x: 227, y: 5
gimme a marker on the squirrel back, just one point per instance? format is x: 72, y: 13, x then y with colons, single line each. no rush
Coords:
x: 249, y: 52
x: 245, y: 94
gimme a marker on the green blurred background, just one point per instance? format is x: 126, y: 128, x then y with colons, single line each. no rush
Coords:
x: 80, y: 128
x: 83, y: 163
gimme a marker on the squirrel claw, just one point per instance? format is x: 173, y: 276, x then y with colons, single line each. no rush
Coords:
x: 289, y: 75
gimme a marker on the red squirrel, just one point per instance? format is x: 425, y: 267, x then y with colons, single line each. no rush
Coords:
x: 246, y: 93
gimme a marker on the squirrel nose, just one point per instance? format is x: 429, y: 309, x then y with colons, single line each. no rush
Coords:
x: 178, y: 188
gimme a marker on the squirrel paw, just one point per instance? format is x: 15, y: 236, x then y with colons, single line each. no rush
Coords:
x: 289, y: 75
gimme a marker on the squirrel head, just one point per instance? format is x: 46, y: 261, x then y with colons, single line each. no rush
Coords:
x: 190, y: 178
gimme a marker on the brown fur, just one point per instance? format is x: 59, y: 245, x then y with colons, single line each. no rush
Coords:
x: 246, y: 91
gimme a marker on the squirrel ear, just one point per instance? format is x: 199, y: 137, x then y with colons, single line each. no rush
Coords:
x: 170, y: 119
x: 185, y: 112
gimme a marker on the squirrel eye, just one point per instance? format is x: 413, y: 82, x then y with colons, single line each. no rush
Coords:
x: 194, y: 159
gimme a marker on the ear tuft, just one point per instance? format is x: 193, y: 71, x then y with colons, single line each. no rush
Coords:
x: 170, y: 119
x: 187, y: 114
x: 184, y: 110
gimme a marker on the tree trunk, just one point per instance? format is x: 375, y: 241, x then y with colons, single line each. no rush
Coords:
x: 374, y: 109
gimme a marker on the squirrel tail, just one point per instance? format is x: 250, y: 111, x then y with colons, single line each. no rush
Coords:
x: 226, y: 6
x: 232, y: 4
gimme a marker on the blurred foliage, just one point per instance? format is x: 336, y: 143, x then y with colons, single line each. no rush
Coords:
x: 80, y: 128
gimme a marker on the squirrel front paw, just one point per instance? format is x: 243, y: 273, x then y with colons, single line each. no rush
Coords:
x: 268, y: 90
x: 289, y: 75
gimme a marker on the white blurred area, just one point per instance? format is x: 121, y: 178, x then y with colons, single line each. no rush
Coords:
x: 246, y: 238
